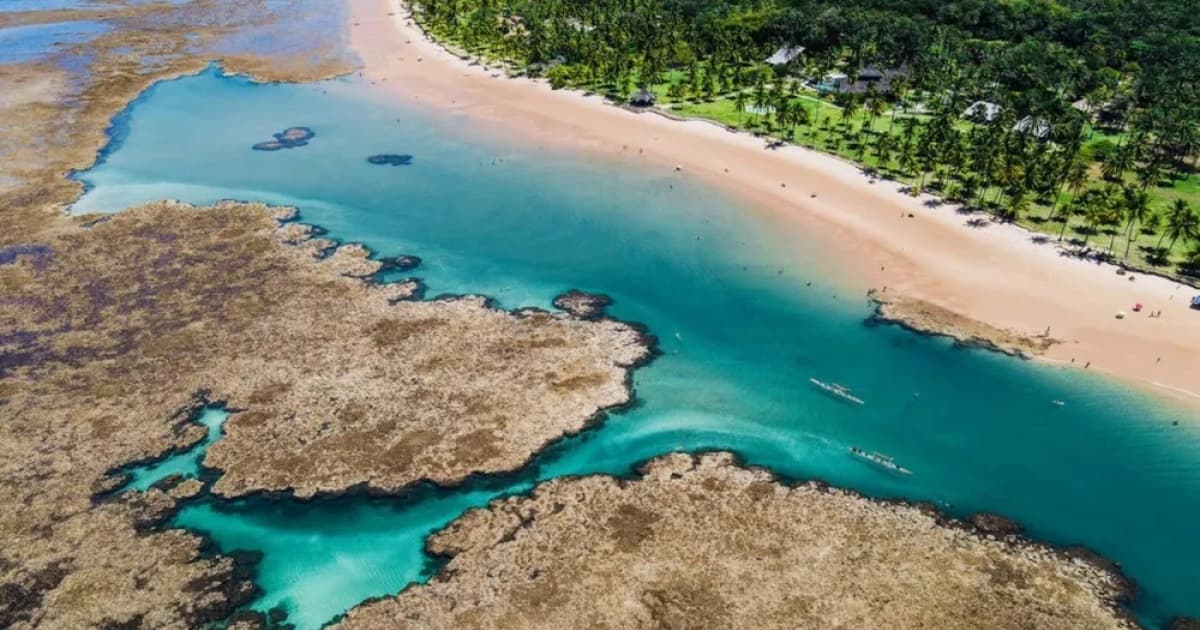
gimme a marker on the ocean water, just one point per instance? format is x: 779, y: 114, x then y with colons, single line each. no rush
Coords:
x: 746, y: 313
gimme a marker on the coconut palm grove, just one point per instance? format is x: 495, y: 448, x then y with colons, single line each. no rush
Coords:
x: 1078, y: 118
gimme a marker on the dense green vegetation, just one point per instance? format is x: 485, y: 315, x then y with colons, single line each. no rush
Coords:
x: 1111, y: 82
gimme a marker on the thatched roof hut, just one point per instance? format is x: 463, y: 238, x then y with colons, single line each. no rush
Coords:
x: 643, y: 98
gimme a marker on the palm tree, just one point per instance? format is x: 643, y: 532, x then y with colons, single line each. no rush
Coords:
x: 812, y: 128
x: 883, y: 150
x: 875, y: 108
x: 1137, y: 207
x: 760, y: 92
x: 1077, y: 206
x: 1018, y: 204
x: 1077, y: 176
x: 1182, y: 223
x: 799, y: 117
x: 1117, y: 162
x: 739, y: 103
x: 1095, y: 214
x: 907, y: 156
x: 898, y: 88
x: 783, y: 113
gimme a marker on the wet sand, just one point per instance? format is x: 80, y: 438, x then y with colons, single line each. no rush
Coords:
x: 995, y: 274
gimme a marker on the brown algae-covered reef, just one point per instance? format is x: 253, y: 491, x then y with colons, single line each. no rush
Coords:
x: 111, y: 326
x: 339, y: 384
x: 928, y: 318
x: 699, y: 542
x: 114, y: 330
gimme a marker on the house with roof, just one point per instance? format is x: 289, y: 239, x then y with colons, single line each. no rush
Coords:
x: 785, y: 55
x: 982, y: 111
x: 1036, y: 127
x: 864, y: 81
x: 643, y: 98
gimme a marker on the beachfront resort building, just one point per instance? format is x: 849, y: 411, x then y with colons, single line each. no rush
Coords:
x: 1036, y: 127
x: 864, y: 80
x: 982, y: 111
x: 785, y: 55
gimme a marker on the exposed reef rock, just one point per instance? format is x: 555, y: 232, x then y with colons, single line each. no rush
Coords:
x: 106, y: 566
x: 427, y: 390
x: 336, y: 382
x: 78, y: 394
x: 928, y: 318
x: 54, y: 111
x: 353, y: 260
x: 995, y: 525
x: 74, y: 394
x: 404, y: 263
x: 391, y: 159
x: 583, y: 305
x: 179, y: 487
x: 289, y: 138
x: 699, y: 542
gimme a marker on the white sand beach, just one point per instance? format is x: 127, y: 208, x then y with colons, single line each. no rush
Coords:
x: 996, y: 274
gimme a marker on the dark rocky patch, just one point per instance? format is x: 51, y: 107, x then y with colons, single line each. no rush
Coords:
x: 1182, y: 623
x: 404, y: 263
x: 583, y: 305
x: 995, y: 524
x: 166, y: 484
x: 391, y: 159
x: 39, y: 255
x: 20, y: 597
x: 289, y: 138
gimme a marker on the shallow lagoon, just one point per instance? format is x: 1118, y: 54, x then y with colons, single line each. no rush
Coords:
x: 741, y: 332
x: 186, y: 464
x: 21, y: 44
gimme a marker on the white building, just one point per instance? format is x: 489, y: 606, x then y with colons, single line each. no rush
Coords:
x: 982, y: 110
x: 1036, y: 127
x: 785, y: 55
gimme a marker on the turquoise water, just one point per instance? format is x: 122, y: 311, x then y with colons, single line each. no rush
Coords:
x: 725, y: 289
x: 186, y: 464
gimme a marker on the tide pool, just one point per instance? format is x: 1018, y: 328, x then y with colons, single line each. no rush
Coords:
x: 742, y: 330
x: 186, y: 464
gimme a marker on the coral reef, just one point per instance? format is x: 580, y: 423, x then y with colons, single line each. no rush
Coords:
x: 928, y: 318
x: 391, y: 159
x: 289, y: 138
x: 338, y: 385
x: 583, y: 305
x: 698, y: 542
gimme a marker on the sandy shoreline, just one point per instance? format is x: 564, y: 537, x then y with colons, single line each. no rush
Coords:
x: 995, y: 274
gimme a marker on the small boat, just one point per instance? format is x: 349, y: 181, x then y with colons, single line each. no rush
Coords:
x: 879, y: 459
x: 841, y: 391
